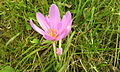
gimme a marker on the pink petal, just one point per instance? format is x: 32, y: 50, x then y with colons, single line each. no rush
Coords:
x: 59, y: 28
x: 48, y: 22
x: 69, y: 28
x: 67, y: 19
x: 59, y: 51
x: 47, y: 37
x: 42, y: 21
x: 36, y: 28
x: 66, y: 26
x: 54, y: 15
x: 62, y: 35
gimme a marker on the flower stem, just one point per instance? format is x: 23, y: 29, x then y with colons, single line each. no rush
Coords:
x: 54, y: 48
x: 60, y: 43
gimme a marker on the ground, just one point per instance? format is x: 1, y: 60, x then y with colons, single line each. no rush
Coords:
x: 93, y: 45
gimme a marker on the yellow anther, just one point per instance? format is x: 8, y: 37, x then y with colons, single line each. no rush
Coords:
x: 53, y: 33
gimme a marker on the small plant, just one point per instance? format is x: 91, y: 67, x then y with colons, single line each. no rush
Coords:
x: 53, y: 28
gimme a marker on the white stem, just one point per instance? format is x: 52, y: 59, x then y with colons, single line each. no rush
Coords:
x: 54, y: 48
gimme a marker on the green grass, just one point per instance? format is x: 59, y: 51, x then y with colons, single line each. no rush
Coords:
x: 93, y: 45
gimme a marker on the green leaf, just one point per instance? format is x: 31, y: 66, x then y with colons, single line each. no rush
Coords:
x: 13, y: 38
x: 35, y: 41
x: 102, y: 65
x: 7, y: 69
x: 47, y: 42
x: 28, y: 27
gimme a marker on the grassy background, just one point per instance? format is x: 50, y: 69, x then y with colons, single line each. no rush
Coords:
x: 93, y: 45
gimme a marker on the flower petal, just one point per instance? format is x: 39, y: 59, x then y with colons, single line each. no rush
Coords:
x: 59, y: 28
x: 47, y: 37
x: 48, y: 22
x: 66, y: 26
x: 42, y: 21
x: 67, y: 19
x: 62, y: 35
x: 36, y: 28
x: 54, y: 15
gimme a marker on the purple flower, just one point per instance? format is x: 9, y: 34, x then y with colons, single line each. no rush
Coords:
x: 59, y: 51
x: 53, y: 28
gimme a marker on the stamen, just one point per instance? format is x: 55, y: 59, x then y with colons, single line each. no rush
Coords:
x: 53, y: 33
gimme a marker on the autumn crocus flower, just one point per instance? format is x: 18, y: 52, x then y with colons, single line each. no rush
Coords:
x: 53, y: 28
x: 59, y: 51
